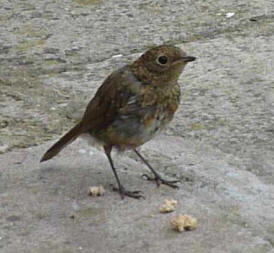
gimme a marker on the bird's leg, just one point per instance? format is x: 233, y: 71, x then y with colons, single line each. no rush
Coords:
x: 157, y: 177
x: 123, y: 192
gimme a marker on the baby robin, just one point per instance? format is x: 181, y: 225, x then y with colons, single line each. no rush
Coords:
x: 132, y: 105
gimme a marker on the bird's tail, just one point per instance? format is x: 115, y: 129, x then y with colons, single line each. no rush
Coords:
x: 64, y: 141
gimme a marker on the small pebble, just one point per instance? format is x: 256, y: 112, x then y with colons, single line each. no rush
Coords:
x: 230, y: 14
x: 82, y: 151
x: 117, y: 56
x: 3, y: 148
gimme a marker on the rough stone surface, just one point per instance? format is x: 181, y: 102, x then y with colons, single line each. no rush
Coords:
x: 53, y: 57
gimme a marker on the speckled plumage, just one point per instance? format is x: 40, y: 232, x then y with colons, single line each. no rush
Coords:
x: 146, y: 109
x: 132, y: 105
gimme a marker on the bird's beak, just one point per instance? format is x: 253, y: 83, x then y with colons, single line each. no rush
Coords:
x: 188, y: 58
x: 184, y: 60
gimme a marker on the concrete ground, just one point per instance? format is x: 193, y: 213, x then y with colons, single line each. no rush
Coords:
x: 55, y: 54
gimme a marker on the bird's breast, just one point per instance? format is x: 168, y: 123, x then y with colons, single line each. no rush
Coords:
x: 145, y: 115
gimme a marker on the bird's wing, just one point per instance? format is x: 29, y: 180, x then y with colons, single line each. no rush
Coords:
x: 112, y: 100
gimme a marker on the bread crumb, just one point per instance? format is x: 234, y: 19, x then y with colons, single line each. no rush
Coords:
x: 96, y: 191
x: 168, y: 206
x: 183, y: 222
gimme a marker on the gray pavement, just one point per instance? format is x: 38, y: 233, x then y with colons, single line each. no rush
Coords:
x: 53, y: 57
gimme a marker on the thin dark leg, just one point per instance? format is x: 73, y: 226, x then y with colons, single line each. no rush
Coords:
x: 121, y: 189
x: 157, y: 177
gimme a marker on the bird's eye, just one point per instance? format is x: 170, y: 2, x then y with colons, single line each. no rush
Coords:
x: 162, y: 60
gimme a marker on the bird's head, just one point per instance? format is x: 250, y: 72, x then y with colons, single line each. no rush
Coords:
x: 161, y: 65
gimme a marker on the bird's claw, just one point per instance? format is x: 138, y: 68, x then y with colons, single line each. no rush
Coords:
x: 159, y: 180
x: 132, y: 194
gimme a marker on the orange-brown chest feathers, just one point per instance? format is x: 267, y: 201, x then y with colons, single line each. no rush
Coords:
x: 146, y: 111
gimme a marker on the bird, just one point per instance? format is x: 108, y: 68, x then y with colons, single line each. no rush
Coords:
x: 133, y: 104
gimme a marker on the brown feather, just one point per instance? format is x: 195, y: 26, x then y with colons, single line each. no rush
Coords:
x: 64, y: 141
x: 102, y: 110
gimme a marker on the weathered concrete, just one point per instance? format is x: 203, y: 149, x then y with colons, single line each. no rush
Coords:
x: 53, y: 57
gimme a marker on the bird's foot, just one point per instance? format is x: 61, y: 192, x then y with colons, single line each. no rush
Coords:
x: 132, y: 194
x: 159, y: 180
